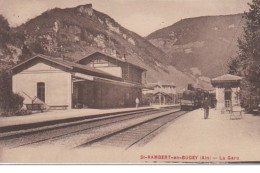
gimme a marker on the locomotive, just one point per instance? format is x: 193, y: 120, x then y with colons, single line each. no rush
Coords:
x: 193, y: 98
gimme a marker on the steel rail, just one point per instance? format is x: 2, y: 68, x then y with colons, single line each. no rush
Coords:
x: 99, y: 123
x: 104, y: 137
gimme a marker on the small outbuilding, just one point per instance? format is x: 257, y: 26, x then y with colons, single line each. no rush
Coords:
x: 161, y: 93
x: 227, y: 90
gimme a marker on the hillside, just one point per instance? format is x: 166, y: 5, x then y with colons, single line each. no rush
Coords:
x: 201, y: 46
x: 76, y: 32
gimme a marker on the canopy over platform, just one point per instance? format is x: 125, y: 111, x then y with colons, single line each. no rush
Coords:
x: 104, y: 80
x: 152, y: 86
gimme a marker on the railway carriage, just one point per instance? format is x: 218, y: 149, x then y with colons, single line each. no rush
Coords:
x: 192, y: 99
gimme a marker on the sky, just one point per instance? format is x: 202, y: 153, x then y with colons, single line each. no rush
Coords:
x: 140, y: 16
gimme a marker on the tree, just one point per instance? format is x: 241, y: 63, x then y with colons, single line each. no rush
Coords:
x: 10, y: 102
x: 4, y: 29
x: 190, y: 87
x: 4, y: 24
x: 247, y: 63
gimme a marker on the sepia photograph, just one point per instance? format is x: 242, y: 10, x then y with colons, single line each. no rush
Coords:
x: 130, y: 82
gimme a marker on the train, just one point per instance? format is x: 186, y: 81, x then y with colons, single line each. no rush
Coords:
x: 193, y: 99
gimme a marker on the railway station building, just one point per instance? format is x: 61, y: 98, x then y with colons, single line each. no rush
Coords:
x: 161, y: 93
x: 227, y: 91
x: 95, y: 81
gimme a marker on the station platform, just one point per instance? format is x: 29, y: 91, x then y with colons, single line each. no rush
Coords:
x: 56, y: 115
x: 188, y: 139
x: 217, y: 139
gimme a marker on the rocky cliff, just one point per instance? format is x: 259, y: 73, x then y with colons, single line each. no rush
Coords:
x: 200, y: 46
x: 76, y: 32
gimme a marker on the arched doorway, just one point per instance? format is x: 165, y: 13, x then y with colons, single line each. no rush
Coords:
x: 41, y: 91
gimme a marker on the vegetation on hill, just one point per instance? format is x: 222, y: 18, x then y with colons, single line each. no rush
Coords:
x: 76, y: 32
x: 247, y: 63
x: 201, y: 45
x: 12, y: 47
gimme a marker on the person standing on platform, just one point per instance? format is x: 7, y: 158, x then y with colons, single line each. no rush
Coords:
x: 206, y: 104
x: 137, y: 102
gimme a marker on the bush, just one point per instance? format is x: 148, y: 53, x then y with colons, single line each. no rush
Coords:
x: 10, y: 103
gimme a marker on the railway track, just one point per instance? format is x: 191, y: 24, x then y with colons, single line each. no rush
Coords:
x: 65, y: 130
x: 137, y: 134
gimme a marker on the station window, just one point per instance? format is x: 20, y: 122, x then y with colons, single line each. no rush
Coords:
x: 41, y: 91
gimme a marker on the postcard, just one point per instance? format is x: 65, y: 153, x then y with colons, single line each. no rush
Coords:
x: 129, y: 81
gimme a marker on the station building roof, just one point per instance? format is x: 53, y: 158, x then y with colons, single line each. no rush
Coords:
x: 159, y: 84
x: 226, y: 79
x: 167, y: 84
x: 66, y: 65
x: 127, y: 61
x: 162, y: 93
x: 105, y: 80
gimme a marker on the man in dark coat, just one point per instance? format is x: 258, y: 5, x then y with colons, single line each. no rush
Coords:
x: 205, y: 106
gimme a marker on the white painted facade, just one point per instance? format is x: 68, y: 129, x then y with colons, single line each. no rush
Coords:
x: 227, y: 91
x: 115, y: 71
x: 58, y: 84
x: 220, y: 97
x: 104, y: 66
